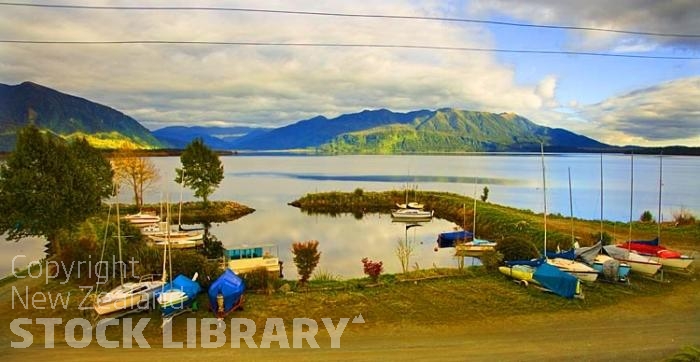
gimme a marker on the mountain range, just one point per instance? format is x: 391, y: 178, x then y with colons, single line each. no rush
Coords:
x: 67, y: 116
x: 370, y: 131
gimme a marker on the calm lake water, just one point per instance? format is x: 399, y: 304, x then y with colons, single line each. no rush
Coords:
x: 268, y: 183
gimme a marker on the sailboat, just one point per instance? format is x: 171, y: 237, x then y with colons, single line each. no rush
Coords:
x: 608, y: 267
x: 639, y: 263
x: 127, y: 296
x: 540, y: 271
x: 179, y: 294
x: 178, y: 239
x: 476, y: 247
x: 575, y: 268
x: 652, y: 248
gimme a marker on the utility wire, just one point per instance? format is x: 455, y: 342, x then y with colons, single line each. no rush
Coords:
x: 352, y: 15
x: 342, y: 45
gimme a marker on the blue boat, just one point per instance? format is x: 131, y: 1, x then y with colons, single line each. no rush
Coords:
x: 551, y: 278
x: 226, y: 293
x: 449, y: 239
x: 178, y: 295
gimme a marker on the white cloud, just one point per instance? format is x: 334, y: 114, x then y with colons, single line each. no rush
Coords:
x: 186, y: 84
x: 659, y: 115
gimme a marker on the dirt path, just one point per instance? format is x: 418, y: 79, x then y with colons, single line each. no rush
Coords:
x: 643, y: 329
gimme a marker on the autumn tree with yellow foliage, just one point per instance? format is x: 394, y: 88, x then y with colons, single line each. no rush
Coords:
x: 136, y: 171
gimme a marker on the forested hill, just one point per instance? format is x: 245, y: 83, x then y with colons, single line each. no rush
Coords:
x: 444, y: 130
x: 67, y: 116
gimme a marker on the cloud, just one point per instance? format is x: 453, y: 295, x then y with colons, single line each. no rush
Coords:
x: 186, y: 84
x: 673, y: 17
x: 658, y: 115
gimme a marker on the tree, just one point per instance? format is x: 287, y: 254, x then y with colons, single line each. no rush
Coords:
x: 201, y: 169
x: 136, y: 171
x: 306, y: 258
x: 485, y: 194
x: 48, y: 186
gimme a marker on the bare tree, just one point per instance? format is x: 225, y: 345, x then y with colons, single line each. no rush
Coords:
x: 136, y: 171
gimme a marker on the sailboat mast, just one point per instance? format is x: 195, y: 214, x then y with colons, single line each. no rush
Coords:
x: 474, y: 216
x: 658, y: 217
x: 544, y: 192
x: 629, y: 236
x: 571, y: 210
x: 601, y: 196
x: 119, y: 240
x: 179, y: 212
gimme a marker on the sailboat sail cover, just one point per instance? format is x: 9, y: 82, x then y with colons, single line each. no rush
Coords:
x: 569, y: 254
x: 588, y: 253
x: 230, y: 286
x: 557, y: 281
x: 187, y: 285
x: 652, y: 242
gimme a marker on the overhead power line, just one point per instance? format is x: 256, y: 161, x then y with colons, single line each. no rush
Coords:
x: 341, y: 45
x: 353, y: 15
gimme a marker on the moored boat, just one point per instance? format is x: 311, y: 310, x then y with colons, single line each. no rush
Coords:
x: 412, y: 214
x: 142, y: 219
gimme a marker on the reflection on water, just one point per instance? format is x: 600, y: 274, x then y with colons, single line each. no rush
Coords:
x: 383, y: 178
x: 268, y: 183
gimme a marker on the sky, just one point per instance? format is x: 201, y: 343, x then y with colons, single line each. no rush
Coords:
x: 620, y: 101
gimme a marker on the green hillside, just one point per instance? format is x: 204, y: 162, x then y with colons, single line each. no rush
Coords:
x: 67, y: 116
x: 450, y: 130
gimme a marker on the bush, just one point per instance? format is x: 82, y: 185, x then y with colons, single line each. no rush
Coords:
x: 683, y: 217
x: 359, y: 192
x: 605, y: 237
x: 260, y: 279
x: 514, y: 248
x: 491, y: 260
x: 306, y: 258
x: 372, y: 269
x: 646, y: 216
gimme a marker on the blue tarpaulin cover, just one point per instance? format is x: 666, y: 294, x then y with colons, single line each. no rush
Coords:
x: 230, y: 286
x: 569, y: 254
x: 447, y: 240
x: 555, y: 280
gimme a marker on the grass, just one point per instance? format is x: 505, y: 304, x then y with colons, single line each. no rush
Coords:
x: 496, y: 222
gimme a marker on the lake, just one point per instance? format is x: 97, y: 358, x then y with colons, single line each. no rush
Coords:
x: 268, y: 182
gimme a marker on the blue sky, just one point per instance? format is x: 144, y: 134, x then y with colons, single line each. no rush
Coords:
x: 616, y: 100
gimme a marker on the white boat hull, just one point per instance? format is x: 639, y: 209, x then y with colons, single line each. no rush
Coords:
x: 579, y: 270
x: 675, y: 263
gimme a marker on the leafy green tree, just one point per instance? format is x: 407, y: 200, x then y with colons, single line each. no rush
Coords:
x: 48, y: 186
x: 201, y: 169
x: 485, y: 194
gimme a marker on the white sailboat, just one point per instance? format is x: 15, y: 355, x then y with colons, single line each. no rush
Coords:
x: 178, y: 239
x: 575, y: 268
x: 639, y: 263
x: 476, y: 247
x: 130, y: 295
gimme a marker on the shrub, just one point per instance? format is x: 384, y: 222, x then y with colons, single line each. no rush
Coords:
x: 359, y: 192
x: 372, y: 269
x: 515, y: 248
x: 306, y: 258
x: 491, y: 260
x: 260, y: 279
x: 605, y: 237
x: 646, y: 216
x: 683, y: 217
